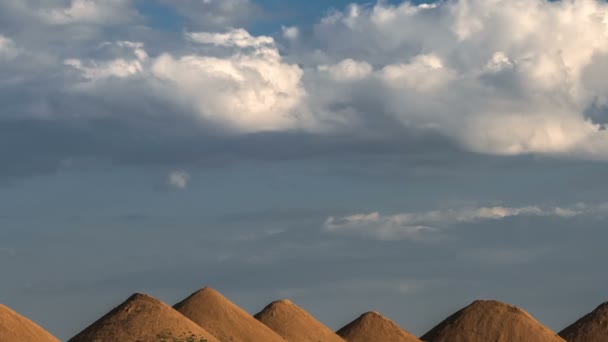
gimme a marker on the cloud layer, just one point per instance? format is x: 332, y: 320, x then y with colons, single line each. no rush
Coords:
x: 429, y: 225
x: 496, y: 77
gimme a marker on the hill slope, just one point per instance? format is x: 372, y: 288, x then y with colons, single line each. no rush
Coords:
x: 295, y: 324
x: 16, y: 328
x: 143, y: 318
x: 223, y: 319
x: 591, y: 327
x: 494, y: 321
x: 372, y: 326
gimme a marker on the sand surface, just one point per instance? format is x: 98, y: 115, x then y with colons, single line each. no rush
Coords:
x: 591, y: 327
x: 146, y: 319
x: 223, y: 319
x: 16, y: 328
x: 295, y: 324
x: 372, y: 326
x: 485, y: 321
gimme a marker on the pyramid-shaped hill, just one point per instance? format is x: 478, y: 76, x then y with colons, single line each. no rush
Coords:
x: 494, y: 321
x: 295, y: 324
x: 591, y: 327
x: 144, y: 318
x: 372, y: 326
x: 16, y: 328
x: 223, y: 319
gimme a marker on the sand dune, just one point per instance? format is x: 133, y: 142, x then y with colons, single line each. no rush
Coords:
x: 295, y: 324
x: 485, y: 321
x: 372, y: 326
x: 223, y: 319
x: 16, y: 328
x: 591, y: 327
x: 143, y: 318
x: 207, y: 316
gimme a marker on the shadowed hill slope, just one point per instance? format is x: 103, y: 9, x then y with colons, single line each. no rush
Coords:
x: 16, y: 328
x: 223, y: 319
x: 143, y: 318
x: 494, y: 321
x: 591, y: 327
x: 295, y: 324
x: 372, y: 326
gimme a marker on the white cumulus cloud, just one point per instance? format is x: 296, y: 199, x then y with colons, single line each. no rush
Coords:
x: 249, y: 90
x: 498, y: 77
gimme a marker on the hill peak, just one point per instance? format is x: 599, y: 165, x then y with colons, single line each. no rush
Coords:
x: 295, y: 324
x: 225, y: 320
x: 143, y: 317
x: 373, y: 326
x: 490, y: 320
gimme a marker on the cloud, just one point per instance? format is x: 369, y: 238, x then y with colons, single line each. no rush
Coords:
x: 347, y: 70
x: 178, y: 179
x: 235, y: 38
x: 236, y: 81
x: 429, y: 225
x: 64, y: 13
x: 502, y: 77
x: 8, y: 50
x: 249, y: 90
x: 120, y: 67
x: 216, y: 15
x: 88, y: 11
x: 378, y: 227
x: 291, y: 32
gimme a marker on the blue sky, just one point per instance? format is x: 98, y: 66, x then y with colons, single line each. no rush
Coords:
x: 392, y: 156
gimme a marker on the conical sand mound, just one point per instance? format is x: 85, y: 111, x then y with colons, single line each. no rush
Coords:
x: 591, y: 327
x: 223, y: 319
x: 372, y: 326
x: 294, y: 324
x: 146, y: 319
x: 485, y: 321
x: 16, y: 328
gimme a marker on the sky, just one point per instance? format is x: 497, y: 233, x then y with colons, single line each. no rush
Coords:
x: 403, y: 157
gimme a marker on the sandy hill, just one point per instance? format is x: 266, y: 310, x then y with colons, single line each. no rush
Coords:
x: 295, y: 324
x: 16, y: 328
x: 223, y: 319
x: 372, y: 326
x: 143, y: 318
x: 591, y: 327
x: 494, y: 321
